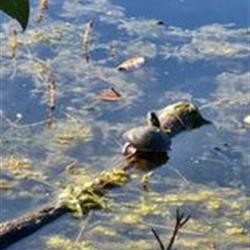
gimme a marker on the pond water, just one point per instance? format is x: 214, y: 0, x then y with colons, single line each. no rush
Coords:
x: 195, y: 51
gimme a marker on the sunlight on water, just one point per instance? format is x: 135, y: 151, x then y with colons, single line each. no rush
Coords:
x: 204, y: 61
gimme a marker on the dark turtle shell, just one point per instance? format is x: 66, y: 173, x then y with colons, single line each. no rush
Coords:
x: 147, y: 139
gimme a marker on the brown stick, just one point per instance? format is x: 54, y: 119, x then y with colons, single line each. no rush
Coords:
x: 158, y: 239
x: 85, y: 40
x: 180, y: 222
x: 14, y: 230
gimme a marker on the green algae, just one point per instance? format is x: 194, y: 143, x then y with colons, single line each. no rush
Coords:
x: 217, y: 211
x: 59, y: 242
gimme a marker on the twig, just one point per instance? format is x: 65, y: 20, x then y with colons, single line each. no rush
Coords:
x: 158, y: 239
x: 51, y: 101
x: 85, y: 40
x: 180, y: 222
x: 52, y: 94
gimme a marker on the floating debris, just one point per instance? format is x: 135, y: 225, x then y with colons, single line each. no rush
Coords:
x: 131, y: 64
x: 145, y: 180
x: 44, y: 5
x: 13, y: 43
x: 85, y: 40
x: 51, y: 102
x: 52, y: 94
x: 246, y: 120
x: 110, y: 95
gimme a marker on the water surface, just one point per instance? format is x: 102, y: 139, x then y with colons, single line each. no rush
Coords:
x: 200, y: 55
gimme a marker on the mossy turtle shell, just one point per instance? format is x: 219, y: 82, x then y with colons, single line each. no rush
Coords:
x: 180, y: 116
x: 146, y: 138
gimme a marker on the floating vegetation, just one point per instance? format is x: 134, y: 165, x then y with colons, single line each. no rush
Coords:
x: 60, y: 242
x: 131, y: 64
x: 145, y: 180
x: 204, y: 43
x: 68, y: 136
x: 143, y: 28
x: 79, y: 199
x: 21, y: 168
x: 13, y: 43
x: 104, y: 231
x: 6, y: 184
x: 235, y: 231
x: 67, y: 133
x: 130, y: 219
x: 51, y: 34
x: 17, y: 163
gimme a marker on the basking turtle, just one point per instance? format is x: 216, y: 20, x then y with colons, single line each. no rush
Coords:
x: 180, y: 116
x: 146, y: 139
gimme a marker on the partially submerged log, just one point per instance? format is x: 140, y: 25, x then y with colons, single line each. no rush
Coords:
x: 175, y: 118
x: 78, y: 200
x: 14, y: 230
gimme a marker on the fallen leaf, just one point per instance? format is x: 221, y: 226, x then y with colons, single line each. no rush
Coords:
x: 110, y: 95
x: 132, y: 63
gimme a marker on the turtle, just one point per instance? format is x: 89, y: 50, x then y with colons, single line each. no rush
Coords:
x: 180, y: 116
x: 146, y: 139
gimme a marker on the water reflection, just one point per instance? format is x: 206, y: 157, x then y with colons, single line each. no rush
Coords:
x: 147, y: 161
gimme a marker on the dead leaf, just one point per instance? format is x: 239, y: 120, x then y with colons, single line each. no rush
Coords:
x: 110, y: 95
x: 131, y: 64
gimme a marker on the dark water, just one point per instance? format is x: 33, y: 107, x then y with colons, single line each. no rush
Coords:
x: 200, y: 55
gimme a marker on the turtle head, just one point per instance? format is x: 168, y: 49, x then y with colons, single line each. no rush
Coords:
x: 153, y: 119
x: 129, y: 149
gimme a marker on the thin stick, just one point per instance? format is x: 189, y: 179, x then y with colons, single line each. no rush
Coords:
x: 52, y: 94
x: 85, y: 40
x: 180, y: 222
x: 158, y: 239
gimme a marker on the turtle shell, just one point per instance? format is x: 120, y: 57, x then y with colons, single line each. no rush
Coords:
x: 147, y: 139
x: 179, y: 117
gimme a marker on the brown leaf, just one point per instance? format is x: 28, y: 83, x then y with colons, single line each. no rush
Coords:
x: 132, y: 63
x: 110, y: 95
